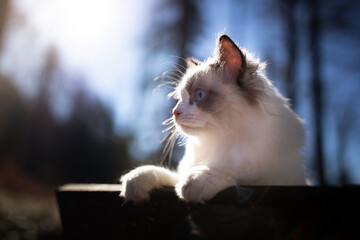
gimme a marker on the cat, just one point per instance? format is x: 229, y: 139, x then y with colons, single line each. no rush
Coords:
x: 239, y: 131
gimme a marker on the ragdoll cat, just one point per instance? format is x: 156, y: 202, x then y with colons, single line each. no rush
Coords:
x: 239, y: 131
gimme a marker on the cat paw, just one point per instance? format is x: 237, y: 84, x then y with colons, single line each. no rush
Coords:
x: 137, y: 184
x: 200, y: 184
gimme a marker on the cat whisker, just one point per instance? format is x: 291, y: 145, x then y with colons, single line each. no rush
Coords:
x: 168, y: 121
x: 165, y: 79
x: 177, y: 73
x: 179, y: 58
x: 169, y: 146
x: 168, y: 129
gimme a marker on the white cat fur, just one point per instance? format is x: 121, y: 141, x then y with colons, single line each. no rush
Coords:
x: 244, y: 143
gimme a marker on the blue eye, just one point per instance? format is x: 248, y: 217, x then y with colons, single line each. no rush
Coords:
x: 199, y: 95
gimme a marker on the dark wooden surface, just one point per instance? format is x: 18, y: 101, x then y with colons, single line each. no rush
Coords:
x: 96, y: 211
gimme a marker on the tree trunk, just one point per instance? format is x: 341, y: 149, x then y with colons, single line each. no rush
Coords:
x: 315, y: 35
x: 291, y: 46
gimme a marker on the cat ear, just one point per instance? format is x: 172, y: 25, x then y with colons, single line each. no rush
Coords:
x: 229, y: 53
x: 192, y: 62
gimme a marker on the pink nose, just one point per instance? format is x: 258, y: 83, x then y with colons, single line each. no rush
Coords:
x: 176, y: 113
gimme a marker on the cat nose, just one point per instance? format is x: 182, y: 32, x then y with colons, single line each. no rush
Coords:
x: 176, y: 113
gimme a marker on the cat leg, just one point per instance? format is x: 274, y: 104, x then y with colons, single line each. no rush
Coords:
x: 202, y: 183
x: 137, y: 184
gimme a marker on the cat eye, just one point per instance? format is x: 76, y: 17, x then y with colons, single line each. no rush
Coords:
x: 199, y: 95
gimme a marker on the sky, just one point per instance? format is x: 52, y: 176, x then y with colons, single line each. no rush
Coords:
x: 98, y: 41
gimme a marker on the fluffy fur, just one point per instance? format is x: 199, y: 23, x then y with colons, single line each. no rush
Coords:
x: 239, y: 130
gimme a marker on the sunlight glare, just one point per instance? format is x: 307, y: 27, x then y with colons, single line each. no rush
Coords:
x: 84, y: 25
x: 78, y: 28
x: 98, y: 40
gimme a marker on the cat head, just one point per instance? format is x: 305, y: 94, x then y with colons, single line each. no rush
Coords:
x: 212, y: 90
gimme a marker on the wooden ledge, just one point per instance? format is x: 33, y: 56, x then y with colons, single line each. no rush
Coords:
x: 95, y: 211
x: 89, y: 188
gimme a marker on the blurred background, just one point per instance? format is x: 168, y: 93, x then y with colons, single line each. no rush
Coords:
x: 78, y: 100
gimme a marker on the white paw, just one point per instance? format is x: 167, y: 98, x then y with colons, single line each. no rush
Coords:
x: 201, y: 184
x: 136, y: 185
